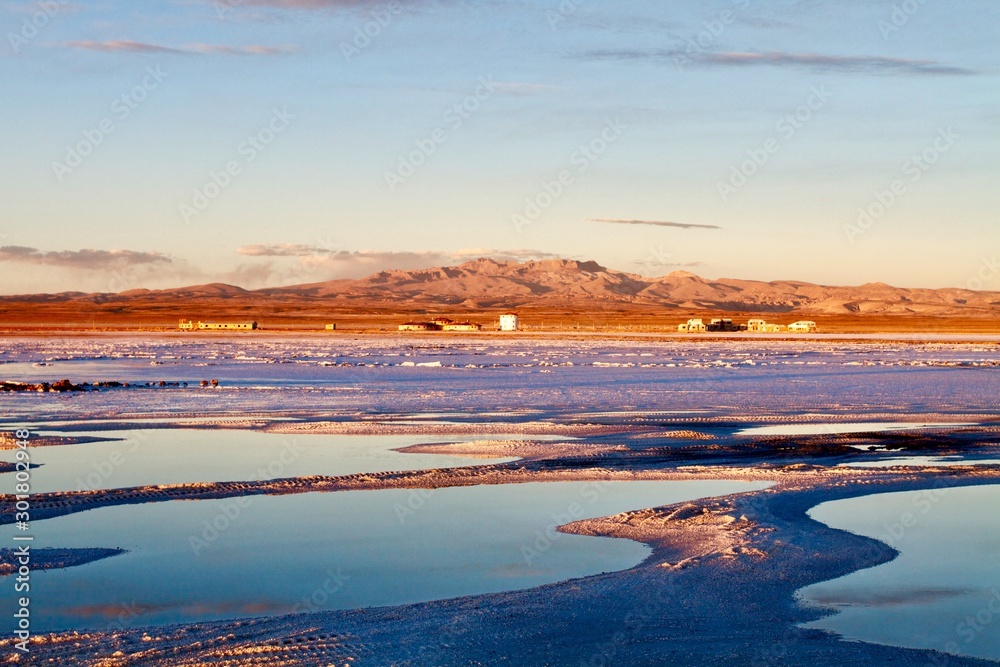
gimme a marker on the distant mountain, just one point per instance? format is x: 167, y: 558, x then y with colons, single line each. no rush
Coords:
x: 554, y: 284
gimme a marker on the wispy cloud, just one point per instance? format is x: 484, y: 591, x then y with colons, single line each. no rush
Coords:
x: 654, y: 223
x: 811, y: 61
x: 246, y: 50
x: 267, y: 265
x: 316, y: 4
x: 301, y: 263
x: 282, y: 250
x: 323, y: 251
x: 126, y: 46
x: 114, y: 46
x: 81, y: 259
x: 522, y: 89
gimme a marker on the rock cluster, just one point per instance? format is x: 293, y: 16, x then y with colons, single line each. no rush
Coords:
x: 61, y: 385
x: 66, y: 385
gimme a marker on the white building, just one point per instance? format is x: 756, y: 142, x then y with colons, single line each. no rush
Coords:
x: 509, y: 322
x: 805, y: 326
x: 188, y: 325
x: 693, y: 326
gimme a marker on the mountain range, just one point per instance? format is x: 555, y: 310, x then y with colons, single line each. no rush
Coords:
x: 487, y: 284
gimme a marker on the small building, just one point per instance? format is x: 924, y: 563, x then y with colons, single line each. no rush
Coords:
x: 693, y: 326
x: 227, y: 326
x: 188, y: 325
x: 509, y: 322
x: 756, y: 326
x: 773, y: 328
x: 331, y: 327
x: 462, y: 326
x: 418, y: 326
x: 440, y: 324
x: 723, y: 324
x: 805, y: 326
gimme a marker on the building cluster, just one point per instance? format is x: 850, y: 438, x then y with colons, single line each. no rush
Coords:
x: 753, y: 326
x: 188, y: 325
x: 508, y: 322
x: 440, y: 324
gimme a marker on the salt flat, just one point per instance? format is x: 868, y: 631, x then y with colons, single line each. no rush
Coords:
x: 720, y: 580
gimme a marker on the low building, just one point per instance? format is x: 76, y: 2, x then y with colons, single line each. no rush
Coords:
x: 756, y: 326
x: 773, y: 328
x: 509, y: 322
x: 805, y: 326
x: 723, y: 324
x: 331, y: 327
x: 440, y: 324
x: 188, y: 325
x: 418, y: 326
x: 462, y: 326
x: 693, y: 326
x: 227, y: 326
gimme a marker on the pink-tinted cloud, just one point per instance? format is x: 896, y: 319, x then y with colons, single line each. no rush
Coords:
x: 116, y: 46
x: 81, y: 259
x: 813, y: 61
x: 655, y: 223
x: 127, y: 46
x: 313, y: 4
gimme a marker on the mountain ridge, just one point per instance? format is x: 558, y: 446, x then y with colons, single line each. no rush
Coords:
x: 559, y: 283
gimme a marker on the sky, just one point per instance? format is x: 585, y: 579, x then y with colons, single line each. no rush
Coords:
x: 272, y: 142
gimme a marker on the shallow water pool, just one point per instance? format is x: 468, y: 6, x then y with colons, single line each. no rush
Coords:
x: 183, y: 456
x: 942, y: 592
x: 195, y: 561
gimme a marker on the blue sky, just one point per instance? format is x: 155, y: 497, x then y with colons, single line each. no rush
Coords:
x: 264, y: 142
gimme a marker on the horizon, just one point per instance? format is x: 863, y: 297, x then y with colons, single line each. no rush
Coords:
x: 282, y: 142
